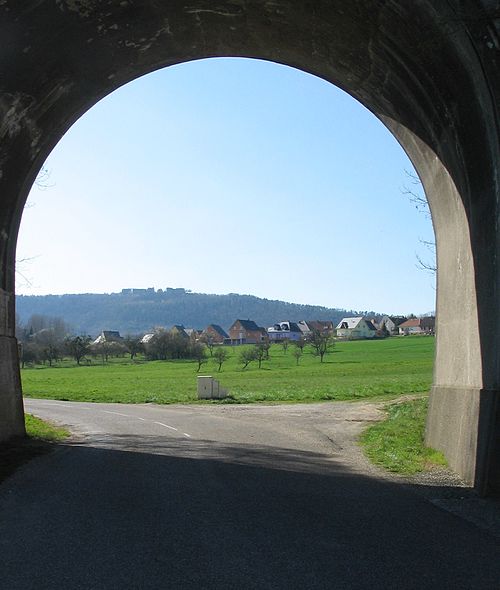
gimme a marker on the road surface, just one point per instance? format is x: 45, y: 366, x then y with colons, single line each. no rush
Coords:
x: 227, y: 497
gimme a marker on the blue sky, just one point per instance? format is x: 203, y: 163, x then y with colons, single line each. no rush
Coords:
x: 229, y: 175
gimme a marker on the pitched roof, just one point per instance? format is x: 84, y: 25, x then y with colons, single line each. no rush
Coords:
x: 349, y: 323
x: 218, y: 329
x: 249, y: 325
x: 320, y: 325
x: 179, y: 329
x: 411, y: 323
x: 108, y: 336
x: 285, y: 327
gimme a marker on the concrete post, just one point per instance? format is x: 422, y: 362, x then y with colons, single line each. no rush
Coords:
x: 11, y: 403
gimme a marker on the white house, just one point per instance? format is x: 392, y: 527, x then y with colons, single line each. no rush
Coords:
x: 108, y: 336
x: 355, y: 328
x: 284, y: 330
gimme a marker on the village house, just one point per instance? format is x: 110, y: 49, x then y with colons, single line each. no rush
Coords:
x: 147, y: 337
x: 215, y: 334
x: 193, y: 333
x: 304, y: 328
x: 390, y: 324
x: 321, y: 326
x: 355, y: 328
x: 179, y: 330
x: 246, y: 332
x: 425, y: 325
x: 284, y: 330
x: 108, y: 336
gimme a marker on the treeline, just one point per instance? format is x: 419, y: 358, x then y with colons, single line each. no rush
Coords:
x: 48, y: 340
x: 139, y: 313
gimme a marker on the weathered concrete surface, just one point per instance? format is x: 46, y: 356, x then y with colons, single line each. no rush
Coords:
x: 470, y: 421
x: 11, y: 405
x: 428, y: 69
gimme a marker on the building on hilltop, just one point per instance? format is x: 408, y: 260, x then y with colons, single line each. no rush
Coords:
x: 246, y: 332
x: 134, y: 291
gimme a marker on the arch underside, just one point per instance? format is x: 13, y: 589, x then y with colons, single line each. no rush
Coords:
x: 427, y: 69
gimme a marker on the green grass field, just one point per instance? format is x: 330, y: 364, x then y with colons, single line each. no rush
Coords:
x: 397, y: 443
x: 381, y: 369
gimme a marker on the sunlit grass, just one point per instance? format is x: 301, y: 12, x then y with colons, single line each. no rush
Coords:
x: 397, y: 443
x: 354, y: 370
x: 42, y: 430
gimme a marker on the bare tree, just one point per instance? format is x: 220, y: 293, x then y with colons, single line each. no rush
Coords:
x: 78, y: 347
x: 133, y: 345
x: 199, y: 353
x: 42, y: 183
x: 261, y: 352
x: 321, y: 342
x: 247, y: 355
x: 209, y: 341
x: 300, y: 343
x: 49, y: 345
x: 220, y: 356
x: 297, y: 353
x: 415, y: 195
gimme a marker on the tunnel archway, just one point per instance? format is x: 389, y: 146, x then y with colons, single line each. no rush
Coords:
x: 427, y: 70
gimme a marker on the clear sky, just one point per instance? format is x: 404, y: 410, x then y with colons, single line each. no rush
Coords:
x: 230, y: 175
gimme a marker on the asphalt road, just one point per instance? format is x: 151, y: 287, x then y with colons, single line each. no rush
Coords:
x: 216, y: 497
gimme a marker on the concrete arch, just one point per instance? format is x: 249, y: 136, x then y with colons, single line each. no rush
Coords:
x: 428, y: 69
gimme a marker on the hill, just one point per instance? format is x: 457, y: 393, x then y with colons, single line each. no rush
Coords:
x: 135, y: 311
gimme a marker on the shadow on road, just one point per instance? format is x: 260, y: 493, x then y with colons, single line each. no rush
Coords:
x: 161, y: 513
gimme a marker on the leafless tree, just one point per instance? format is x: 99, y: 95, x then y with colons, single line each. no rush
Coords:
x: 247, y: 355
x: 321, y: 342
x: 261, y: 351
x: 199, y: 353
x: 133, y: 345
x: 297, y: 353
x: 415, y: 196
x: 220, y: 356
x: 209, y: 341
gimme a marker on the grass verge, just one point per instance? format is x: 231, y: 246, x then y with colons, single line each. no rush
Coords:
x: 397, y: 443
x: 37, y: 429
x: 40, y: 439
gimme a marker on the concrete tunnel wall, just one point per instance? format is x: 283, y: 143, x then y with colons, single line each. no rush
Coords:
x: 428, y: 69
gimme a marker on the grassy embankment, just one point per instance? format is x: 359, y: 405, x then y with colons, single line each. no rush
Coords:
x: 381, y: 369
x: 397, y: 443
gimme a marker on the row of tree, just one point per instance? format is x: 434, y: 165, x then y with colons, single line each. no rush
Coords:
x: 48, y: 340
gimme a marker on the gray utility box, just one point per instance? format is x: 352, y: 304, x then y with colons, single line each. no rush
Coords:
x: 209, y: 388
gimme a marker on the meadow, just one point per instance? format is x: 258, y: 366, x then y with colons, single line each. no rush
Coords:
x: 355, y: 370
